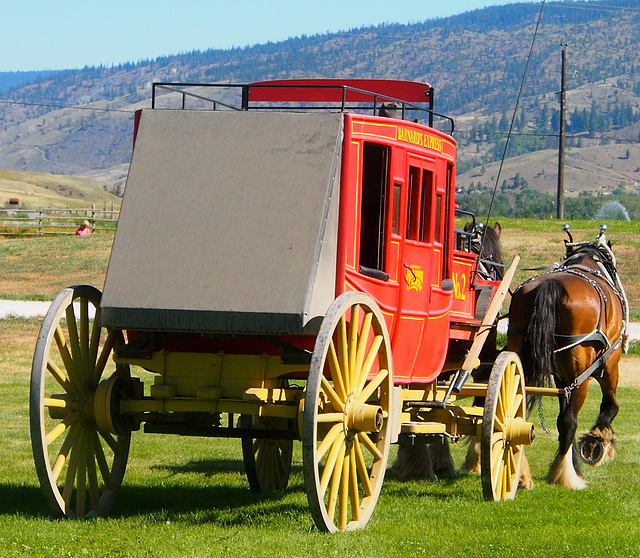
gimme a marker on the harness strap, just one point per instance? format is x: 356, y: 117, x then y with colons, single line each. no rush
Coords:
x: 569, y: 341
x: 598, y: 364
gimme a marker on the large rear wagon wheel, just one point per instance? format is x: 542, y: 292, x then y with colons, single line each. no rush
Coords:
x: 267, y: 461
x: 346, y: 423
x: 505, y: 431
x: 80, y: 466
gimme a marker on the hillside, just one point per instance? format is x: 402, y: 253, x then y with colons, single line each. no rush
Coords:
x: 45, y: 190
x: 474, y: 60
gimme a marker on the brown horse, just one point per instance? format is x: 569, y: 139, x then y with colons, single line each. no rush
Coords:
x: 570, y: 324
x: 432, y: 461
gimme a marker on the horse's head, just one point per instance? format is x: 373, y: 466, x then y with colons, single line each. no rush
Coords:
x: 486, y: 243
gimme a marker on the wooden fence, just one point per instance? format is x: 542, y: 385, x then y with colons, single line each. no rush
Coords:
x: 55, y: 221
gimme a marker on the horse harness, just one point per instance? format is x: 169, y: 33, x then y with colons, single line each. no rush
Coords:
x: 597, y: 335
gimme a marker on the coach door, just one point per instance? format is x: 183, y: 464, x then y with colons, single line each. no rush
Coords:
x: 423, y: 324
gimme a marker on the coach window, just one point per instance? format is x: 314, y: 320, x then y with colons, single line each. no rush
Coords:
x: 413, y: 213
x: 438, y: 237
x: 395, y: 222
x: 419, y: 210
x: 425, y: 209
x: 373, y: 221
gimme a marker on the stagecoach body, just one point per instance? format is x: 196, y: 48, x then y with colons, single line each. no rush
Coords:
x: 296, y: 262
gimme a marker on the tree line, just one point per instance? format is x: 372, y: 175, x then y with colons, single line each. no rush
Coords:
x: 527, y: 203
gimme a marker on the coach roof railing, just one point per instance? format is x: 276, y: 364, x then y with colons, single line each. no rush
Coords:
x: 312, y: 95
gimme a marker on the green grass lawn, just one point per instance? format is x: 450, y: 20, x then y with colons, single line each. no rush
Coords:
x: 189, y: 497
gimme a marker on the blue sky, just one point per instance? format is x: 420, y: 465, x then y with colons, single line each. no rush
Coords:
x: 66, y: 34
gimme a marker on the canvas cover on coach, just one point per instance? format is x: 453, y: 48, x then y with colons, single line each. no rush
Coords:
x: 228, y: 223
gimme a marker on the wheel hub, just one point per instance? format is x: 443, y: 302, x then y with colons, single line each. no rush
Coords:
x: 108, y: 395
x: 362, y: 417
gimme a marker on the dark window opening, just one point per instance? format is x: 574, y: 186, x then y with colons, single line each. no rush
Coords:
x: 375, y: 172
x: 413, y: 212
x: 425, y: 211
x: 395, y: 222
x: 438, y: 237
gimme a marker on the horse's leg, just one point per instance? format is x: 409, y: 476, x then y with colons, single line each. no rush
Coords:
x: 414, y: 463
x: 598, y: 445
x: 472, y: 460
x: 443, y: 466
x: 565, y: 469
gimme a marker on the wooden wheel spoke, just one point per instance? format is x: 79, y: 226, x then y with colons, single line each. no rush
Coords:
x: 81, y: 477
x: 337, y: 449
x: 329, y: 439
x: 354, y: 495
x: 56, y: 402
x: 111, y: 442
x: 60, y: 428
x: 373, y: 385
x: 371, y: 447
x: 330, y: 417
x: 58, y: 376
x: 94, y: 343
x: 363, y: 342
x: 337, y: 374
x: 72, y: 372
x: 353, y: 346
x: 498, y: 472
x: 361, y: 467
x: 77, y: 455
x: 368, y: 363
x: 334, y: 488
x: 74, y: 342
x: 335, y: 399
x: 101, y: 459
x: 501, y: 409
x: 63, y: 454
x: 344, y: 490
x: 84, y: 337
x: 343, y: 356
x: 518, y: 405
x: 105, y: 354
x: 92, y: 477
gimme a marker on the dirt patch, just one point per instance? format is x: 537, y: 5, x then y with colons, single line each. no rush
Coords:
x: 630, y: 371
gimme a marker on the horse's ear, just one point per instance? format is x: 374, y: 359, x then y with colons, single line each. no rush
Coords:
x: 497, y: 228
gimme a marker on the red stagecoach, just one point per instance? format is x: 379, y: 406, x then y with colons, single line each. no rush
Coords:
x: 290, y: 265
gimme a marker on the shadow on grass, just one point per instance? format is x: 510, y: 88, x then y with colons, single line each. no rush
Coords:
x: 181, y: 500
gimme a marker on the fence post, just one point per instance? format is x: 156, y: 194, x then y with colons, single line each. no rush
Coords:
x: 40, y: 221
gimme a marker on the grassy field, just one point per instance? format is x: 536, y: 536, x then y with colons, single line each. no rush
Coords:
x: 188, y: 497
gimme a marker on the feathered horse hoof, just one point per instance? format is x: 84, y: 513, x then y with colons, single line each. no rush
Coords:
x: 597, y: 447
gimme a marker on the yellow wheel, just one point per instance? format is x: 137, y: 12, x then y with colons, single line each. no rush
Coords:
x: 267, y: 461
x: 79, y: 464
x: 345, y: 438
x: 505, y: 431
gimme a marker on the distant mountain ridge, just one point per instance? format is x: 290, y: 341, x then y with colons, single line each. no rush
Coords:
x: 80, y: 121
x: 9, y: 80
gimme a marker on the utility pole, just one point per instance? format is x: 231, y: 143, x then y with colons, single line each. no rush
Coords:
x: 563, y: 80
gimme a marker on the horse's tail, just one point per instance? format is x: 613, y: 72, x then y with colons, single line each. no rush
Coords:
x: 539, y: 342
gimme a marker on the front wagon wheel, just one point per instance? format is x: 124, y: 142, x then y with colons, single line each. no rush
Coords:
x: 346, y: 423
x: 80, y: 466
x: 505, y: 430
